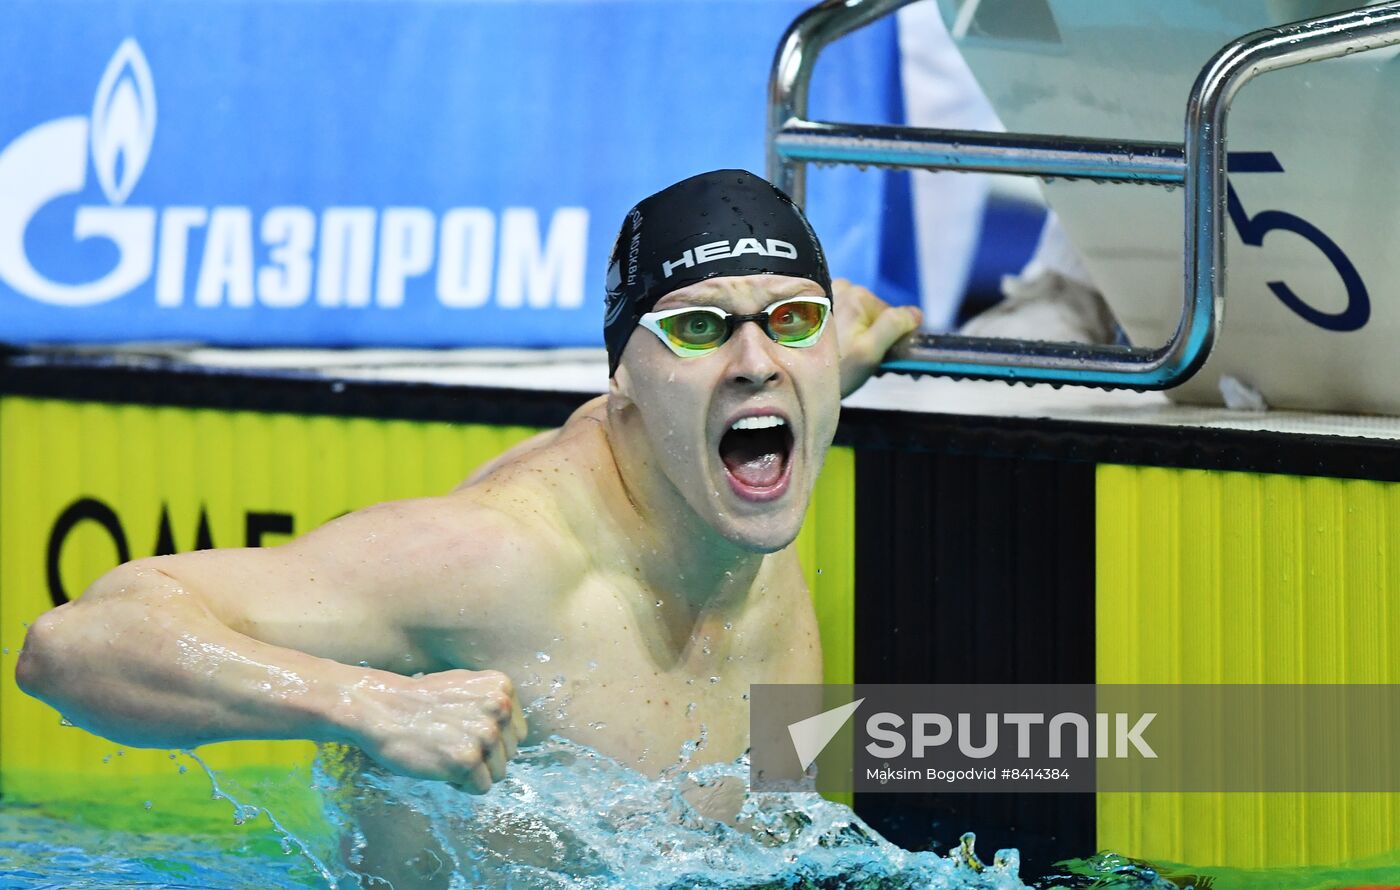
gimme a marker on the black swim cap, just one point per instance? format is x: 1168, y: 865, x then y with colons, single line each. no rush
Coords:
x: 726, y: 222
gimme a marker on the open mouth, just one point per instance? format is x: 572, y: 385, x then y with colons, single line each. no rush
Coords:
x: 756, y: 452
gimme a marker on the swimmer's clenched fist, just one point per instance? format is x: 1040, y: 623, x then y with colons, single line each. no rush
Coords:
x: 455, y: 726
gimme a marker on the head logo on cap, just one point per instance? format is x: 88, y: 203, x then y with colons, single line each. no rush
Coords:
x: 726, y: 222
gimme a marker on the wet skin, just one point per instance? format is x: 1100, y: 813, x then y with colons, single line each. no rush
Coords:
x: 616, y: 546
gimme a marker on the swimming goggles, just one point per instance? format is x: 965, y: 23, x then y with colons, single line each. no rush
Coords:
x: 696, y: 330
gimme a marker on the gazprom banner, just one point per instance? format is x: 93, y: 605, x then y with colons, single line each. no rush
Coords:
x: 350, y: 172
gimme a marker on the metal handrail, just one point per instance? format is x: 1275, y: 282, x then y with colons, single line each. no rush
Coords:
x: 1198, y: 163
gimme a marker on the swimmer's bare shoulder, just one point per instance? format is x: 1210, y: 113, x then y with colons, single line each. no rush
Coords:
x: 587, y: 418
x: 561, y: 488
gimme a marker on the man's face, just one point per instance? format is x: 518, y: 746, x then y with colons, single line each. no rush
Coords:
x: 740, y: 431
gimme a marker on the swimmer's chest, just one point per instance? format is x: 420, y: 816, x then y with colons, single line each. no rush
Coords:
x: 598, y: 676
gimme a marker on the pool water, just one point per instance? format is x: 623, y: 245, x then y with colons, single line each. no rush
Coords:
x: 37, y: 851
x: 592, y: 823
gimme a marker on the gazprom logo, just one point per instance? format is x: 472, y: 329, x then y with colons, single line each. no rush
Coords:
x: 341, y: 256
x: 51, y: 161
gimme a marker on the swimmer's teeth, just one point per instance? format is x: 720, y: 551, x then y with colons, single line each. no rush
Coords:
x: 764, y: 422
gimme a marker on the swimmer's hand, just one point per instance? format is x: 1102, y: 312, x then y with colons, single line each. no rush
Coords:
x: 454, y: 726
x: 866, y: 328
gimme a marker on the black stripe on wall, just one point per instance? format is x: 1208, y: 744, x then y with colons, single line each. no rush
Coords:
x: 144, y: 380
x: 975, y: 569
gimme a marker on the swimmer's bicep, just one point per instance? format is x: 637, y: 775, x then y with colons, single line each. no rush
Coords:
x: 353, y: 589
x: 430, y: 573
x: 277, y: 597
x: 366, y: 586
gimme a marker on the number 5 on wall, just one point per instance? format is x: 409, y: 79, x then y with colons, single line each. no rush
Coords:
x: 1253, y: 229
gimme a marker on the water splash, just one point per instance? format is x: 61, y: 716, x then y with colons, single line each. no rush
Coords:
x: 243, y: 812
x: 568, y: 816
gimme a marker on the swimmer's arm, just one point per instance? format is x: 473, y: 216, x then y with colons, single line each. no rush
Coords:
x: 298, y: 641
x: 141, y: 660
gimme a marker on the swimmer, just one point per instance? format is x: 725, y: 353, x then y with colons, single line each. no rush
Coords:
x: 632, y: 572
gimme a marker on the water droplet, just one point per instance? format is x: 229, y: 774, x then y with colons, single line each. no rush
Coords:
x: 729, y: 625
x: 147, y: 805
x: 541, y: 657
x: 714, y: 680
x: 746, y: 696
x: 690, y: 709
